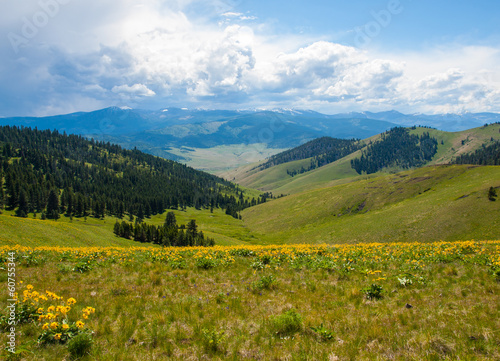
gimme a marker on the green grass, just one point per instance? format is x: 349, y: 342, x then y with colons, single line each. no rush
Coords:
x: 63, y: 232
x: 79, y: 232
x: 453, y: 147
x: 318, y: 310
x: 277, y: 180
x: 428, y: 204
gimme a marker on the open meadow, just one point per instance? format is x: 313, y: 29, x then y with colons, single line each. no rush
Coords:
x: 398, y: 301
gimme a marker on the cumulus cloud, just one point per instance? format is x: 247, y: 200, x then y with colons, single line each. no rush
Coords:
x: 136, y: 90
x: 153, y: 53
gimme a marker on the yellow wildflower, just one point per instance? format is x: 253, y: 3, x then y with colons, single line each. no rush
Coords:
x: 45, y: 326
x: 71, y: 301
x: 79, y: 324
x: 57, y: 336
x: 54, y: 325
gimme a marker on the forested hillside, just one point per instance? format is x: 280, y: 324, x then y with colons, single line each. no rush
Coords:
x: 51, y: 173
x: 323, y: 151
x: 397, y: 148
x: 487, y: 155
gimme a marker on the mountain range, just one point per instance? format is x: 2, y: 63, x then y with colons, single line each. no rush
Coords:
x: 219, y: 139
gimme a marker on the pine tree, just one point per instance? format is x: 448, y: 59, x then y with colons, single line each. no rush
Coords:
x: 23, y: 209
x: 117, y: 229
x: 170, y: 221
x: 2, y: 193
x: 12, y: 199
x: 53, y: 205
x: 80, y: 206
x: 192, y: 228
x: 140, y: 214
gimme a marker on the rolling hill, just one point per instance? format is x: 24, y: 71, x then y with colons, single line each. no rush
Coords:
x: 446, y: 202
x: 277, y: 179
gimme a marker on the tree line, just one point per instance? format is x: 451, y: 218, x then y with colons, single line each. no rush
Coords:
x: 397, y: 148
x: 169, y: 234
x: 486, y: 155
x: 323, y: 150
x: 52, y: 174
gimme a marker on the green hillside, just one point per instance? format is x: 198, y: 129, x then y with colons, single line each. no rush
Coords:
x: 458, y: 143
x: 276, y: 179
x: 224, y: 229
x: 427, y: 204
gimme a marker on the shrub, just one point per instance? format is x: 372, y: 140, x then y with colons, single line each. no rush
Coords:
x: 80, y: 345
x: 82, y: 267
x: 212, y: 340
x: 205, y: 263
x: 373, y: 292
x: 323, y: 333
x: 265, y: 282
x: 286, y: 324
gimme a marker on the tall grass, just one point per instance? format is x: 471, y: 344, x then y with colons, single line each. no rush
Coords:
x: 310, y: 302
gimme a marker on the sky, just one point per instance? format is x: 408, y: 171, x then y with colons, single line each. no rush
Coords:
x: 414, y: 56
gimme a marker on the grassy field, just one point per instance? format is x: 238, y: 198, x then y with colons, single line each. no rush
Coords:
x: 411, y: 301
x: 79, y: 232
x: 427, y: 204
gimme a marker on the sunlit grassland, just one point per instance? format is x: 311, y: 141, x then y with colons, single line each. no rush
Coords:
x: 433, y: 203
x: 438, y: 301
x: 78, y: 232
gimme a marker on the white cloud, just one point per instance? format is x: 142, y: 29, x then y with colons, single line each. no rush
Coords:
x: 136, y: 90
x: 152, y: 52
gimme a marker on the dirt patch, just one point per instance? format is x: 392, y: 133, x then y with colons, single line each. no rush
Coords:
x: 418, y: 179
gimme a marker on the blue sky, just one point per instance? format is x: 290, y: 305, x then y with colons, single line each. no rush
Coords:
x: 61, y: 56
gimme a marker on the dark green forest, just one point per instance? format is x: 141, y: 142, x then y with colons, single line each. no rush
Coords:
x: 51, y: 174
x: 323, y: 150
x: 169, y: 234
x: 397, y: 148
x: 487, y: 155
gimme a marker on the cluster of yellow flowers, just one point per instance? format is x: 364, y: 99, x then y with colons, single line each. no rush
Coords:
x: 348, y: 253
x: 87, y: 311
x: 54, y: 319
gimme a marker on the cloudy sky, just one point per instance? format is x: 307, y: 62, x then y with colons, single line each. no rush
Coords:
x: 61, y: 56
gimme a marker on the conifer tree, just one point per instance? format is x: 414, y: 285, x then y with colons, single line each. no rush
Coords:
x: 2, y: 193
x: 170, y: 221
x: 192, y: 228
x: 23, y: 209
x: 53, y: 205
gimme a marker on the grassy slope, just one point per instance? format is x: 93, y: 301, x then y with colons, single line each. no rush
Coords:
x: 453, y: 147
x: 428, y: 204
x: 148, y: 310
x: 277, y: 180
x: 225, y: 229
